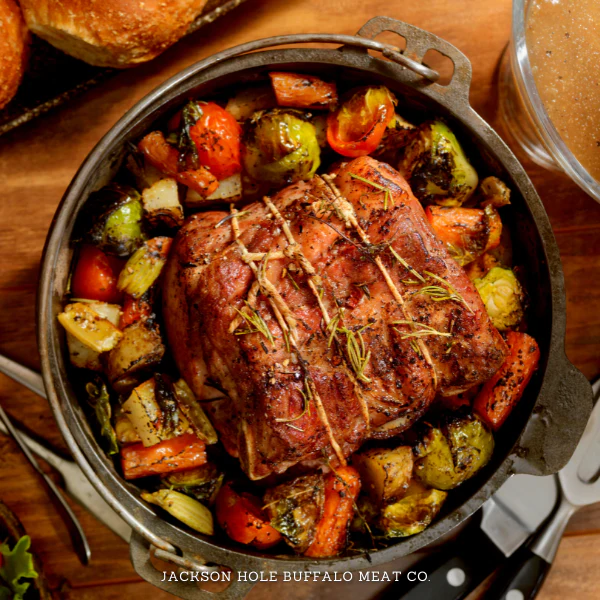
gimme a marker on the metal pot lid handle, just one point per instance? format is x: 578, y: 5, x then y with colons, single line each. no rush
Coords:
x: 142, y: 552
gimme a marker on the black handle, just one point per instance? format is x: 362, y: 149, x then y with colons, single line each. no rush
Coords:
x: 453, y: 572
x: 524, y: 572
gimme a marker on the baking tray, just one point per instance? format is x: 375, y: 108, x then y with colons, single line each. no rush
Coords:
x: 53, y: 77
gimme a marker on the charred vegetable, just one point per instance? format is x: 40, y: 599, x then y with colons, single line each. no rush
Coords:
x: 161, y: 204
x: 140, y: 349
x: 295, y: 508
x: 87, y: 326
x: 453, y: 451
x: 494, y: 192
x: 192, y: 409
x: 436, y: 167
x: 502, y: 296
x: 144, y: 267
x: 99, y: 400
x: 202, y: 483
x: 183, y: 508
x: 412, y: 514
x: 303, y: 91
x: 384, y: 474
x: 281, y: 147
x: 117, y: 226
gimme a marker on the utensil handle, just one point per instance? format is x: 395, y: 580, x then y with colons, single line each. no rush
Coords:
x: 453, y: 572
x: 23, y: 375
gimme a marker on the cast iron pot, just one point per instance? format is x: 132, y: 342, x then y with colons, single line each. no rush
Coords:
x: 543, y: 430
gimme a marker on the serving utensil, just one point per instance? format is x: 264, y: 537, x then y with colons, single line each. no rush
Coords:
x: 579, y: 485
x: 76, y: 484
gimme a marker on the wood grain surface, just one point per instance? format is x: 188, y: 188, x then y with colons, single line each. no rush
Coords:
x: 38, y: 161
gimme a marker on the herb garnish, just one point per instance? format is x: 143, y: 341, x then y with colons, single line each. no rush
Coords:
x: 387, y: 196
x: 254, y: 322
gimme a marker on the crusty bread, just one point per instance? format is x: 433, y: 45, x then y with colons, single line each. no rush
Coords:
x: 111, y: 33
x: 14, y: 44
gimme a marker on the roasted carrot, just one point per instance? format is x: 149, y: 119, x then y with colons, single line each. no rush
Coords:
x: 341, y: 490
x: 163, y: 156
x: 243, y: 519
x: 471, y: 230
x: 179, y: 453
x: 303, y: 91
x: 502, y: 392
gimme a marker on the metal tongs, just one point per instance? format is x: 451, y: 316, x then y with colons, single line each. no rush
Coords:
x: 75, y: 482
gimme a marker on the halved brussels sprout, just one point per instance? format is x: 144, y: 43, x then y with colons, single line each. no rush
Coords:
x: 412, y: 514
x: 117, y: 223
x: 202, y: 483
x: 453, y: 451
x: 436, y: 167
x: 281, y: 147
x: 502, y: 297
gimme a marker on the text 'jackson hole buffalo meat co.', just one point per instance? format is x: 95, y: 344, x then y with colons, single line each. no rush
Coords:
x: 320, y: 279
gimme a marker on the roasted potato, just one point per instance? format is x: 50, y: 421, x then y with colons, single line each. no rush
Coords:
x: 453, y: 451
x: 385, y: 474
x: 161, y: 204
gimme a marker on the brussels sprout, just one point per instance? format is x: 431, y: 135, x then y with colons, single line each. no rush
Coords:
x: 502, y: 296
x: 202, y: 483
x: 117, y: 224
x: 436, y: 167
x: 454, y: 451
x: 412, y: 514
x: 295, y: 507
x: 281, y: 147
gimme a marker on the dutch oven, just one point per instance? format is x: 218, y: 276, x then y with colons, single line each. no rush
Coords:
x: 542, y: 431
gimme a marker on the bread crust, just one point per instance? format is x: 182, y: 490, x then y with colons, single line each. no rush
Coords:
x: 111, y: 33
x: 14, y: 49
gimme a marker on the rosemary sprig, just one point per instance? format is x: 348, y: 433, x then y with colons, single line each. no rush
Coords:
x: 451, y: 289
x: 231, y: 216
x: 306, y: 397
x: 387, y: 196
x: 365, y: 289
x: 419, y: 330
x: 438, y: 293
x: 358, y: 355
x: 415, y: 347
x: 288, y: 274
x: 254, y: 323
x: 407, y: 266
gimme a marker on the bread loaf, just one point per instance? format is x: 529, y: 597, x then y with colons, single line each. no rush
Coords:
x: 111, y: 33
x: 14, y: 44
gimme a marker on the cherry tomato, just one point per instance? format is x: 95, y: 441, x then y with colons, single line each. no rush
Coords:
x: 217, y: 137
x: 135, y: 309
x: 357, y: 126
x: 96, y: 275
x: 241, y: 516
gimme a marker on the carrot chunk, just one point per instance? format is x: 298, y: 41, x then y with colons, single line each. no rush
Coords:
x: 302, y: 91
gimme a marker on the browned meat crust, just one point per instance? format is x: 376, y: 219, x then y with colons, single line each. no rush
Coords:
x: 334, y: 267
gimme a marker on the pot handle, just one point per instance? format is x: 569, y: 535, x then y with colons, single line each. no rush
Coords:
x: 418, y: 42
x: 141, y: 552
x: 557, y: 422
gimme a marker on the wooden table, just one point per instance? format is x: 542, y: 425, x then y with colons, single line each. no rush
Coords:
x: 37, y: 162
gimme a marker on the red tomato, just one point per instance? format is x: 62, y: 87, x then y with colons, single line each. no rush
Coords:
x: 241, y: 516
x: 95, y: 276
x: 357, y: 126
x: 134, y: 309
x: 217, y: 137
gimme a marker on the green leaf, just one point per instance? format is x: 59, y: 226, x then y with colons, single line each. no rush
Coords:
x: 18, y: 565
x: 99, y: 400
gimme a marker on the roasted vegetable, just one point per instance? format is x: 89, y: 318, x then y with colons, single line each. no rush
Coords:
x: 144, y: 267
x: 384, y: 474
x: 342, y: 487
x: 91, y: 329
x: 500, y: 394
x: 412, y: 514
x: 356, y: 128
x: 435, y: 166
x: 295, y: 508
x: 117, y: 223
x: 249, y: 100
x: 136, y: 309
x: 502, y: 296
x: 281, y: 147
x: 294, y: 90
x: 493, y: 192
x: 140, y: 350
x: 183, y: 508
x: 95, y: 276
x: 82, y: 356
x: 453, y: 451
x: 177, y: 454
x: 229, y: 190
x: 144, y: 174
x: 99, y: 400
x: 154, y: 418
x: 124, y: 430
x: 192, y: 409
x: 161, y: 204
x: 396, y: 137
x: 468, y: 232
x: 202, y: 483
x: 481, y: 265
x: 242, y: 518
x: 165, y: 157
